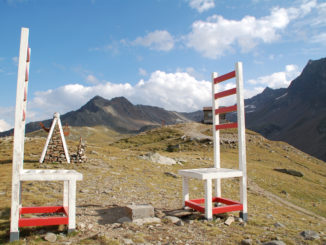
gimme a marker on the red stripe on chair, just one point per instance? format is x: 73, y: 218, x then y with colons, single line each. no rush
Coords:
x: 226, y: 125
x: 41, y: 210
x: 225, y: 201
x: 25, y: 94
x: 229, y: 205
x: 26, y: 75
x: 224, y: 77
x: 28, y: 55
x: 194, y: 205
x: 226, y: 109
x: 43, y: 221
x: 225, y: 93
x: 228, y: 208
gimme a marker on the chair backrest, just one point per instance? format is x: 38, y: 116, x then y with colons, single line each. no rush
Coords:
x: 239, y: 107
x: 21, y: 102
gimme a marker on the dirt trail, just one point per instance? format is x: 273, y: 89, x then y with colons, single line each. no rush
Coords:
x: 194, y: 130
x: 255, y: 188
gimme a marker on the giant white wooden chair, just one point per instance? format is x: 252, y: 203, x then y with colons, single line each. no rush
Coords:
x: 217, y: 173
x: 19, y: 174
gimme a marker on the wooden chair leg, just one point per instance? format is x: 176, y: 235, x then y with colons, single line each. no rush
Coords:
x: 72, y: 206
x: 208, y: 200
x: 185, y: 190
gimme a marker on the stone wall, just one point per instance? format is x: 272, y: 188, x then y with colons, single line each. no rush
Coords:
x: 55, y: 151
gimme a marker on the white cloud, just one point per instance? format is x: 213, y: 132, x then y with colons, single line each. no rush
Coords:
x: 6, y: 118
x: 217, y: 35
x: 92, y: 79
x: 319, y: 38
x: 202, y: 5
x: 4, y: 126
x: 15, y: 60
x: 278, y: 79
x: 173, y: 91
x: 158, y: 40
x: 142, y: 72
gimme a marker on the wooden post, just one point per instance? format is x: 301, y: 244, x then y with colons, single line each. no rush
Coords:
x: 208, y: 199
x: 19, y: 132
x: 216, y: 136
x: 185, y: 190
x: 241, y: 139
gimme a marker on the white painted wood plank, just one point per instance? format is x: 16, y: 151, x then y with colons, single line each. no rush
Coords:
x: 19, y: 131
x: 185, y: 190
x: 65, y: 148
x: 208, y: 199
x: 216, y: 135
x: 65, y: 193
x: 241, y: 136
x: 54, y: 122
x: 72, y: 206
x: 210, y: 173
x: 50, y: 175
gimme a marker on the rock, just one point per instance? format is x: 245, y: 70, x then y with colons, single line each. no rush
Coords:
x: 180, y: 213
x: 278, y: 224
x: 173, y: 219
x: 229, y: 221
x: 180, y: 223
x: 81, y: 226
x: 147, y: 221
x: 94, y: 152
x: 140, y: 211
x: 310, y: 235
x: 190, y: 222
x: 159, y: 214
x: 157, y: 158
x: 171, y: 174
x: 127, y: 241
x: 289, y: 171
x: 50, y: 237
x: 124, y: 219
x: 246, y: 242
x: 274, y: 242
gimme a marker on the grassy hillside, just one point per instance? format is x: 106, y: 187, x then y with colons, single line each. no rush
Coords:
x: 116, y: 175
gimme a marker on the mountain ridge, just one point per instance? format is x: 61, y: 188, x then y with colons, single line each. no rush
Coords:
x: 297, y: 114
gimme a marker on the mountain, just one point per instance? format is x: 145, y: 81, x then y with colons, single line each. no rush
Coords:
x: 297, y: 114
x: 118, y: 114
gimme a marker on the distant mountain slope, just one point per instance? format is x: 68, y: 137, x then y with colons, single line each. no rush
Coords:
x: 296, y: 115
x: 118, y: 114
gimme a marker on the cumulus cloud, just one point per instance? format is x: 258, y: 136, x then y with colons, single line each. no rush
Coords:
x: 4, y: 126
x: 142, y: 72
x: 202, y: 5
x: 160, y: 40
x: 92, y: 79
x: 177, y: 91
x: 278, y: 79
x: 217, y: 35
x: 6, y: 118
x: 319, y: 38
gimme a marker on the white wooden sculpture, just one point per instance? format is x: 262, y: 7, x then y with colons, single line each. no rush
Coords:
x: 56, y: 120
x: 19, y: 174
x: 217, y: 173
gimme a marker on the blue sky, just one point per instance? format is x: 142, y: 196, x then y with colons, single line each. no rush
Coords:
x: 154, y: 52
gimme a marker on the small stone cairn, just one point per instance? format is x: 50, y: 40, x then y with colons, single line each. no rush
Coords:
x: 80, y: 157
x: 55, y: 151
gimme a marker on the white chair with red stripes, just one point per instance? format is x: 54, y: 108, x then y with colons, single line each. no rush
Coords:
x: 217, y: 173
x: 67, y: 212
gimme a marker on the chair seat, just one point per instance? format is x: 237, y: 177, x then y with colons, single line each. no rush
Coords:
x: 210, y: 173
x: 49, y: 175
